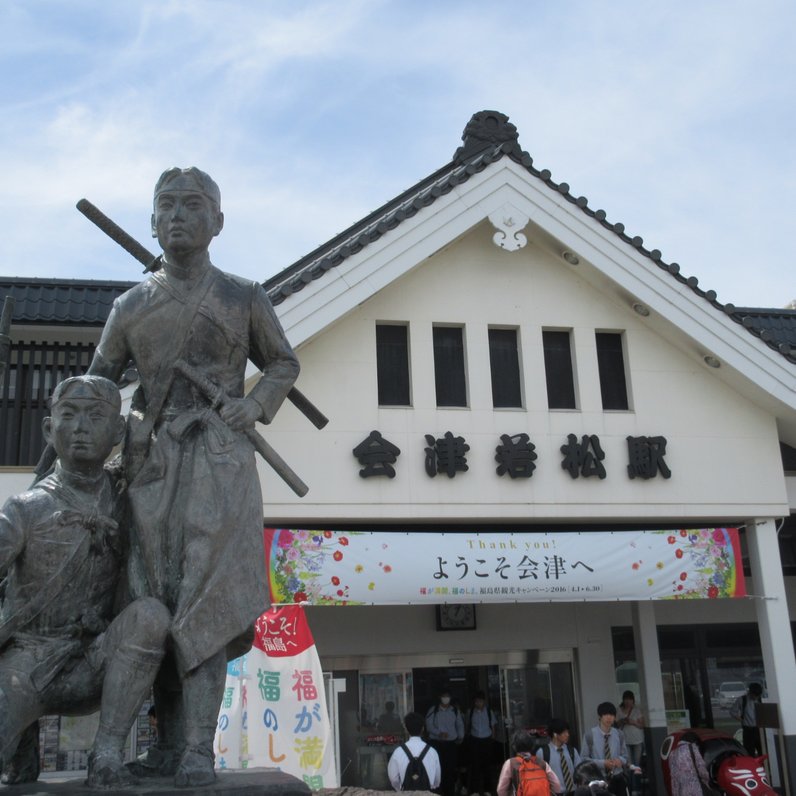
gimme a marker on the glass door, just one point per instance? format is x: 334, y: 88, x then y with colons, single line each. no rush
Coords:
x: 533, y: 693
x: 384, y: 699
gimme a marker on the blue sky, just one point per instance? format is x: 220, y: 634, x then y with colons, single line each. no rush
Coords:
x: 677, y: 118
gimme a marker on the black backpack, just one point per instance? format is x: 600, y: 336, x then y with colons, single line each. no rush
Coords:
x: 416, y: 776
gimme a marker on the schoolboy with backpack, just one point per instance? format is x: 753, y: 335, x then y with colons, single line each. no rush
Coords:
x: 481, y: 725
x: 414, y: 765
x: 445, y: 729
x: 562, y: 758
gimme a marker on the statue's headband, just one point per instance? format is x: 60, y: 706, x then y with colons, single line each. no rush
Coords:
x: 191, y: 179
x: 91, y: 388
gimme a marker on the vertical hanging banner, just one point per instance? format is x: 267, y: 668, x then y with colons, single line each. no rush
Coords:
x: 283, y: 722
x: 230, y: 742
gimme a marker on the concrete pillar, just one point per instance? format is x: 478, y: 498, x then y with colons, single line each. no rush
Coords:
x: 645, y: 632
x: 596, y: 675
x: 775, y: 633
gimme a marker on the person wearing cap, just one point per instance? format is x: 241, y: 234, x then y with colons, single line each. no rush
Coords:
x: 194, y: 494
x: 62, y: 649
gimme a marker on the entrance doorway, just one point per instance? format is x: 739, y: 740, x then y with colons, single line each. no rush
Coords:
x: 520, y: 695
x: 524, y: 689
x: 523, y: 696
x: 462, y: 682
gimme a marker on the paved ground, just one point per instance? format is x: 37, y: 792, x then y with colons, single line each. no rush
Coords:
x: 253, y: 782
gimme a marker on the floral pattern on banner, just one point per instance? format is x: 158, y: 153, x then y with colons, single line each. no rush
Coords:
x: 709, y: 556
x: 299, y: 567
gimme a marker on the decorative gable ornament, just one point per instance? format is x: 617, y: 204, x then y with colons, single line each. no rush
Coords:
x: 509, y: 223
x: 484, y: 130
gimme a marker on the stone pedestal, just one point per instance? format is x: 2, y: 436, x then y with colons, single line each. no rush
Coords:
x: 251, y: 782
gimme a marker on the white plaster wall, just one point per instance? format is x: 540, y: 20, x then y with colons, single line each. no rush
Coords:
x: 722, y: 449
x: 14, y: 480
x: 371, y: 630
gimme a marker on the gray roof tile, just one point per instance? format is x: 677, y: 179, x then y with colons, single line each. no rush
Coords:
x: 86, y: 302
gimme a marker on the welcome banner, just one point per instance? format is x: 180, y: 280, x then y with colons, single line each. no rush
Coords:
x: 274, y: 713
x: 418, y: 567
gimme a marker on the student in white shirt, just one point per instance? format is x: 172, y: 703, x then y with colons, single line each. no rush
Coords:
x: 396, y: 768
x: 561, y: 757
x: 481, y: 724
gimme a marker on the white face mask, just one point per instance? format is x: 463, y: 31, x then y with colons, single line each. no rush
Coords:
x: 445, y: 700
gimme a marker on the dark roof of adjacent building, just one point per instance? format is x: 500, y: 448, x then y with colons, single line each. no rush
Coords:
x: 85, y: 302
x: 488, y: 137
x: 776, y: 327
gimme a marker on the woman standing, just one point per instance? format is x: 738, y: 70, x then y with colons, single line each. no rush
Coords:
x: 630, y: 720
x: 687, y: 767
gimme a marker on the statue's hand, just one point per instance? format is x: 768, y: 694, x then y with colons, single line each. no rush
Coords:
x: 240, y: 413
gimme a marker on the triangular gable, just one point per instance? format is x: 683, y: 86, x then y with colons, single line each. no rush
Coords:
x: 490, y: 177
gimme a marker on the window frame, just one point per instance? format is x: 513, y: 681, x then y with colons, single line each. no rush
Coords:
x: 549, y: 376
x: 461, y: 372
x: 606, y: 378
x: 379, y: 362
x: 515, y: 364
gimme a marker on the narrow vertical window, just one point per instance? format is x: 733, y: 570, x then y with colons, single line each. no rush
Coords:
x: 504, y: 363
x: 558, y: 370
x: 392, y: 364
x: 611, y: 364
x: 449, y: 375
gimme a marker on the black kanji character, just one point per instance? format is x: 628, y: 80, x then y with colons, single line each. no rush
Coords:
x: 554, y: 566
x: 515, y: 456
x: 579, y: 460
x: 645, y: 456
x: 527, y: 568
x: 446, y: 455
x: 377, y: 455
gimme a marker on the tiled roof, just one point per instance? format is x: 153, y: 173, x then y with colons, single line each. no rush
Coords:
x: 776, y: 327
x: 488, y: 137
x: 61, y: 301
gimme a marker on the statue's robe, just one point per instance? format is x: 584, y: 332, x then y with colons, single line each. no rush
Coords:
x: 194, y: 494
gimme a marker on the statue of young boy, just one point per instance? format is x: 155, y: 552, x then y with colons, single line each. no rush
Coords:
x: 63, y: 649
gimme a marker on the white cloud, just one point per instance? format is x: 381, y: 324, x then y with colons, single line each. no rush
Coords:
x: 678, y: 119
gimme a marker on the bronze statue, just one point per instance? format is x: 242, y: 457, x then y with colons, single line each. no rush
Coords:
x: 63, y: 648
x: 195, y: 507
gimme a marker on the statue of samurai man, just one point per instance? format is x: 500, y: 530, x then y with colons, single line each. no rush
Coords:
x: 196, y: 511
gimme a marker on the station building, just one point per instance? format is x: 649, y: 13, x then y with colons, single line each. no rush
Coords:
x: 507, y: 370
